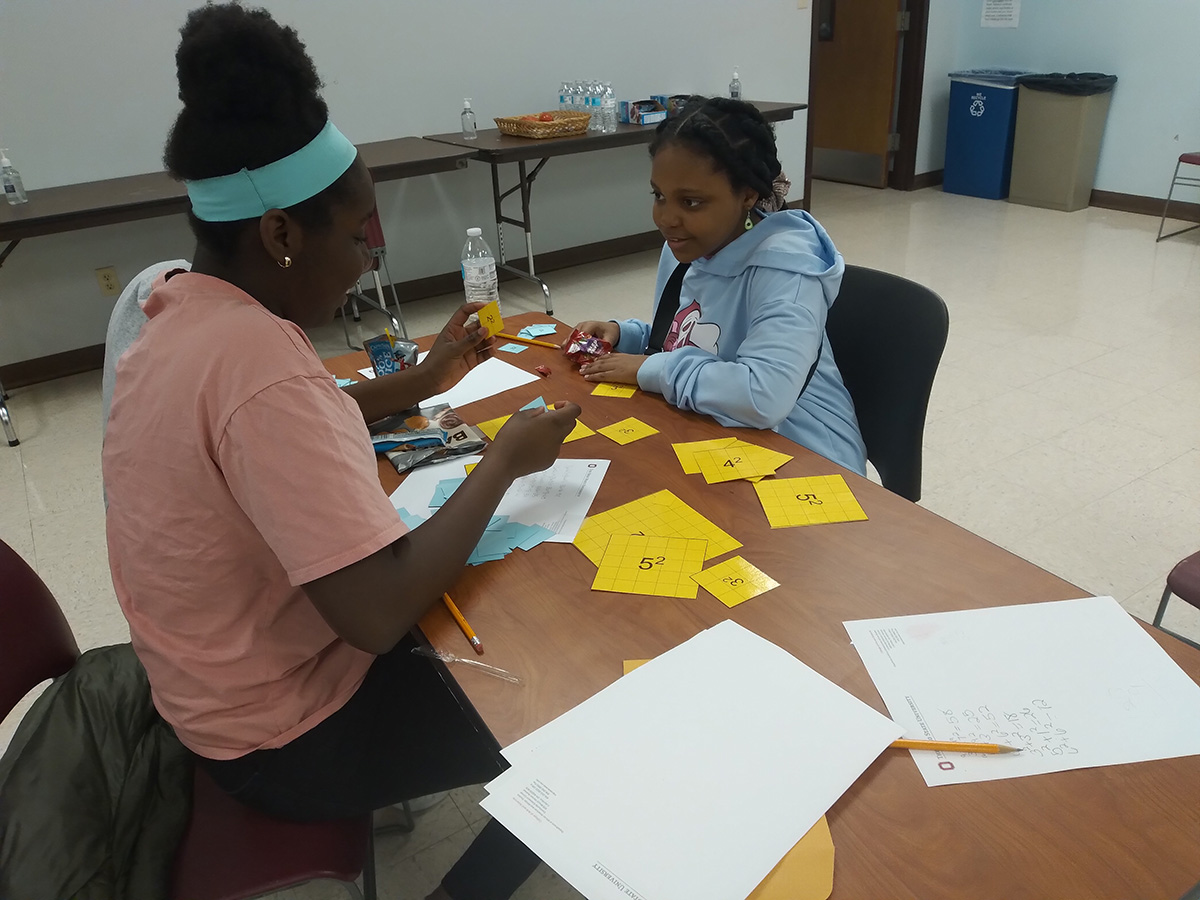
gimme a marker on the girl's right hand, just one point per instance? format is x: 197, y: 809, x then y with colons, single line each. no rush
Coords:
x: 607, y: 331
x: 531, y: 439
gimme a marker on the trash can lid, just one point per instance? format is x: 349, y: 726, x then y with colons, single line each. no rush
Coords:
x: 996, y: 77
x: 1077, y: 84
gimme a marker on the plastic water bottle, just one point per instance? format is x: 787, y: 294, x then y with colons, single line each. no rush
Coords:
x: 10, y: 178
x: 468, y: 121
x: 565, y: 100
x: 608, y: 109
x: 594, y: 106
x: 479, y: 269
x: 579, y: 97
x: 735, y: 86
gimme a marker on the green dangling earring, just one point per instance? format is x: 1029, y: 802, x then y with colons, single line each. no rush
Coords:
x: 749, y: 221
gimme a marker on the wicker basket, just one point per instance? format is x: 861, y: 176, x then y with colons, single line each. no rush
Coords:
x: 564, y: 123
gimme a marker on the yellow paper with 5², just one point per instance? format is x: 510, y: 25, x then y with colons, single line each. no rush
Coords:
x: 735, y: 581
x: 806, y: 871
x: 658, y: 566
x: 607, y: 389
x: 815, y: 500
x: 627, y: 431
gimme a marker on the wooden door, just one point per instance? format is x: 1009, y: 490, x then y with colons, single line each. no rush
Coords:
x: 854, y: 88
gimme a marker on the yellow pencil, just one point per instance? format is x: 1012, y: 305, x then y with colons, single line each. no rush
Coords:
x: 953, y: 746
x: 463, y: 624
x: 525, y: 340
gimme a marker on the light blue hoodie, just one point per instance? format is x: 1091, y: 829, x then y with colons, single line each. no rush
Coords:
x: 751, y: 322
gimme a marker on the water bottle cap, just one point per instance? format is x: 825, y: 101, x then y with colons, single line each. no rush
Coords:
x: 474, y: 232
x: 466, y: 102
x: 4, y: 157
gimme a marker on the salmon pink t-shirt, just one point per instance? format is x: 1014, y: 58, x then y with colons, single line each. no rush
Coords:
x: 236, y: 471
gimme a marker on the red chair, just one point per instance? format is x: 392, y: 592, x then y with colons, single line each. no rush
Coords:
x: 1184, y: 583
x: 378, y: 249
x: 1191, y: 159
x: 229, y: 851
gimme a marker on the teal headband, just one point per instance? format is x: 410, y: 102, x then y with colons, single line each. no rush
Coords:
x: 251, y: 192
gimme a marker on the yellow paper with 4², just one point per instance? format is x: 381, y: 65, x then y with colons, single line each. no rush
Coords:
x: 687, y: 452
x: 739, y: 461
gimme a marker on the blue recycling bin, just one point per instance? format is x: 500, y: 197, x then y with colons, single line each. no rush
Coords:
x: 979, y: 132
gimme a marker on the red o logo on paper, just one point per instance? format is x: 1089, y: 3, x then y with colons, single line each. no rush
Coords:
x: 945, y: 765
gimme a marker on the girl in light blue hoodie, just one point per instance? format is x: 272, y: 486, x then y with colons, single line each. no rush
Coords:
x: 739, y: 326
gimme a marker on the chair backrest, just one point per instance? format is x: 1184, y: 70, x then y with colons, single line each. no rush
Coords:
x: 36, y: 642
x: 887, y: 335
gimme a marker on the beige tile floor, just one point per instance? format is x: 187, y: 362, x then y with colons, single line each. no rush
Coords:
x: 1064, y: 423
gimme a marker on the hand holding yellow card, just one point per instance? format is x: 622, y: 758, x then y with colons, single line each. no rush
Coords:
x: 490, y: 319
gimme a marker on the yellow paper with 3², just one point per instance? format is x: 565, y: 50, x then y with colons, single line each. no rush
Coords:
x: 735, y: 581
x: 607, y: 389
x: 806, y: 871
x: 627, y: 431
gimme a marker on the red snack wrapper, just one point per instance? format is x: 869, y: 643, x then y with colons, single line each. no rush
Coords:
x: 544, y: 371
x: 583, y: 347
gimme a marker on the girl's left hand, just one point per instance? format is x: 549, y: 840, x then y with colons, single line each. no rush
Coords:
x: 616, y: 368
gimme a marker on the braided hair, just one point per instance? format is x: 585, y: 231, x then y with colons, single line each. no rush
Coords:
x: 251, y: 96
x: 733, y: 134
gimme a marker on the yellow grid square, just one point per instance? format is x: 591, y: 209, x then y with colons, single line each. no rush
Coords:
x: 735, y: 581
x: 579, y: 431
x: 607, y: 389
x: 816, y: 500
x: 687, y: 452
x: 739, y: 461
x: 627, y: 430
x: 644, y: 564
x: 661, y: 514
x: 490, y: 319
x: 492, y: 426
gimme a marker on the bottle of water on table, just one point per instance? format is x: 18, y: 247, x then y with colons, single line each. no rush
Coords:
x: 566, y: 101
x: 608, y: 109
x: 468, y: 121
x: 479, y: 269
x: 594, y: 106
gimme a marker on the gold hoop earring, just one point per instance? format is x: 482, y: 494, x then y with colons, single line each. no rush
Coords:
x: 286, y: 264
x: 749, y: 221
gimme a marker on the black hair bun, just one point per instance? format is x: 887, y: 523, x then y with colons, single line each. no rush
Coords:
x: 239, y: 65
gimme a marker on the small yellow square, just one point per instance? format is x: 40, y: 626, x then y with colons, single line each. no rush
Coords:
x: 739, y: 461
x: 628, y: 665
x: 492, y: 426
x: 816, y: 500
x: 490, y: 318
x: 579, y: 431
x: 687, y: 452
x: 605, y: 389
x: 627, y: 431
x: 657, y: 566
x: 735, y: 581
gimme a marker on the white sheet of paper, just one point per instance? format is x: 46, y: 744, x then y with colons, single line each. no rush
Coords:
x: 1077, y: 683
x: 492, y: 376
x: 691, y: 776
x: 1001, y: 14
x: 558, y: 498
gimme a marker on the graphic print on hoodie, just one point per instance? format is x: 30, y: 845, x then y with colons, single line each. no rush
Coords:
x: 688, y: 331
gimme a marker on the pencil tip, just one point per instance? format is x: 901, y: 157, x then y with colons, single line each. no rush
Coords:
x: 1004, y: 749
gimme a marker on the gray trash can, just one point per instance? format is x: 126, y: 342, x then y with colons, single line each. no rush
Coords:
x: 1056, y: 147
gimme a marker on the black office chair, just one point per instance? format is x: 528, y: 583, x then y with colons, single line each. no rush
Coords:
x: 887, y: 335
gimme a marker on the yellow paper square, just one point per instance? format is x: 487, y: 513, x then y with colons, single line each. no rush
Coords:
x: 735, y: 581
x: 490, y: 318
x: 661, y: 514
x: 687, y: 452
x: 627, y: 431
x: 738, y: 461
x: 656, y: 566
x: 605, y: 389
x: 766, y: 454
x: 816, y: 500
x: 579, y: 431
x: 492, y: 426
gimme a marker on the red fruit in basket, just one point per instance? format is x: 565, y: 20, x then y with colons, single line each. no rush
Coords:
x: 545, y: 117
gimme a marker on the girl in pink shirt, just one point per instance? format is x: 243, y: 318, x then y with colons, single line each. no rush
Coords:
x: 270, y: 586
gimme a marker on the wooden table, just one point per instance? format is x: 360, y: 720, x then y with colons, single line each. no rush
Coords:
x: 1118, y: 832
x: 495, y: 148
x: 74, y: 207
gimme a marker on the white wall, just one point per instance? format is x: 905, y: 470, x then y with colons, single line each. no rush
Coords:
x: 941, y: 48
x: 1150, y: 45
x: 89, y: 92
